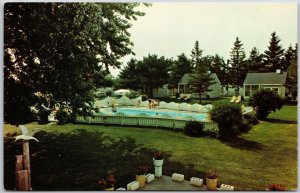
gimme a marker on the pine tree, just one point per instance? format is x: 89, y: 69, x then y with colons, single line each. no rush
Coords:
x: 255, y: 61
x: 288, y: 57
x: 201, y: 79
x: 180, y: 67
x: 238, y: 68
x: 274, y: 55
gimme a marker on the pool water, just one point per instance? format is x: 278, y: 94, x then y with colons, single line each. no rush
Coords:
x: 157, y: 113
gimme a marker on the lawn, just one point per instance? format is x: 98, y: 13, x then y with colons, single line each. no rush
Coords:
x: 74, y: 156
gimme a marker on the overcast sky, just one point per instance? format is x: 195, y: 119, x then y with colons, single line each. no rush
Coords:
x: 169, y: 29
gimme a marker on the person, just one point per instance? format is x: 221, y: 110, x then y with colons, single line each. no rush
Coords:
x: 149, y: 103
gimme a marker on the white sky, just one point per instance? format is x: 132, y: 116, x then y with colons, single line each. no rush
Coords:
x: 169, y: 29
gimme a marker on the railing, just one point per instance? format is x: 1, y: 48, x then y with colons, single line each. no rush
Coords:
x: 142, y: 121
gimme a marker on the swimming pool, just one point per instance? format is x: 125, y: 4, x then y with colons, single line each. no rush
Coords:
x: 157, y: 113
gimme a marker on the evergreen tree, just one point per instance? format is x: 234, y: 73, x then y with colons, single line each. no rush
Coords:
x: 274, y: 55
x: 201, y: 79
x: 292, y: 74
x: 129, y: 76
x: 288, y: 57
x: 255, y: 61
x: 220, y: 67
x: 238, y: 68
x: 180, y: 67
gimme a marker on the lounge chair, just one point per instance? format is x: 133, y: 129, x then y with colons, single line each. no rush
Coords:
x: 233, y: 99
x: 239, y: 98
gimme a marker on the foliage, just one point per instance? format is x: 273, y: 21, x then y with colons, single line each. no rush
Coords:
x: 276, y: 187
x: 251, y: 119
x: 238, y: 68
x: 133, y: 94
x: 180, y: 67
x: 211, y: 174
x: 255, y: 61
x: 274, y: 55
x: 142, y: 169
x: 292, y: 75
x: 201, y: 79
x: 61, y: 49
x: 43, y: 115
x: 64, y: 115
x: 107, y: 182
x: 220, y: 67
x: 159, y: 155
x: 194, y: 129
x: 228, y: 116
x: 147, y: 74
x: 266, y: 102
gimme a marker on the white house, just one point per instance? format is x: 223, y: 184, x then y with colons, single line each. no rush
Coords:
x: 216, y: 88
x: 272, y: 81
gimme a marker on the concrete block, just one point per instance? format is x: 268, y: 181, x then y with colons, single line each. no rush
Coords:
x: 133, y: 185
x: 149, y: 178
x: 196, y: 181
x: 178, y: 177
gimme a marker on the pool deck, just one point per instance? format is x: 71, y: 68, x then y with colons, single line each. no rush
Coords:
x: 165, y: 183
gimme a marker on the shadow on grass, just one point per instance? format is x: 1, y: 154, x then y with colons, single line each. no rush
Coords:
x: 280, y: 121
x: 241, y: 143
x: 77, y: 160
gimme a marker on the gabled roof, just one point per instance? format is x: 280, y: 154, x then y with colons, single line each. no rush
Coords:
x: 266, y: 78
x: 185, y: 79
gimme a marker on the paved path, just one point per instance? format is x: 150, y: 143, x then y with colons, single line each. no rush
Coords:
x: 166, y: 183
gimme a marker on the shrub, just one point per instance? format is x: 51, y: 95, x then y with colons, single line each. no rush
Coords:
x: 43, y: 115
x: 266, y: 102
x: 64, y: 115
x: 244, y: 126
x: 228, y: 116
x: 194, y: 129
x: 251, y: 119
x: 132, y: 94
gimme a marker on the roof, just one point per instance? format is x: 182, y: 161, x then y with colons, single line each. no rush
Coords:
x: 185, y: 79
x: 266, y: 78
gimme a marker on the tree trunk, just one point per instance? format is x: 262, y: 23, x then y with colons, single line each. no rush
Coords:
x: 200, y: 97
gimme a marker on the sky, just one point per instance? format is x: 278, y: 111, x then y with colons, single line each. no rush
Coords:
x: 169, y: 29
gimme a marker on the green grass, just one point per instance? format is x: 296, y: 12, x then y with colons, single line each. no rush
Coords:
x: 74, y: 157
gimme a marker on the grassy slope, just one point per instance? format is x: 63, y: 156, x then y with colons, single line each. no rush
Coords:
x: 267, y: 154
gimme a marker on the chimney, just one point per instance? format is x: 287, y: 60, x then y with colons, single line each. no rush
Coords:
x: 278, y: 71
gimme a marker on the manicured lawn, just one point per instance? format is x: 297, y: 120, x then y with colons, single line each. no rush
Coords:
x: 74, y: 157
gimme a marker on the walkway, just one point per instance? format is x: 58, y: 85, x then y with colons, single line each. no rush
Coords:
x: 166, y: 183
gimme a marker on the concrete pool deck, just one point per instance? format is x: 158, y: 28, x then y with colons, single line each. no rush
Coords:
x: 165, y: 183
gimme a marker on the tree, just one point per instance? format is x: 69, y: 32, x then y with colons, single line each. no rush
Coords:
x: 274, y: 55
x: 201, y: 79
x: 220, y: 67
x: 255, y: 61
x: 288, y: 57
x: 59, y: 48
x: 238, y: 68
x: 180, y: 67
x: 266, y: 102
x: 130, y: 76
x: 292, y: 75
x: 154, y: 72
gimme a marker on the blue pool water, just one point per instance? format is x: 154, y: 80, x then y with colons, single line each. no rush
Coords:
x: 154, y: 113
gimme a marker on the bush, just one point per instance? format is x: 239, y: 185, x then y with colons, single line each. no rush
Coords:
x: 194, y: 129
x: 133, y: 94
x: 43, y: 115
x: 228, y: 116
x: 62, y: 117
x: 251, y: 119
x: 266, y: 102
x: 244, y: 127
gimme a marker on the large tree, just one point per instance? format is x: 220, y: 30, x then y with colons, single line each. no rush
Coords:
x: 273, y: 56
x: 292, y: 74
x: 238, y: 68
x: 201, y: 79
x: 220, y: 67
x: 130, y: 76
x: 255, y: 61
x: 180, y: 67
x: 57, y: 48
